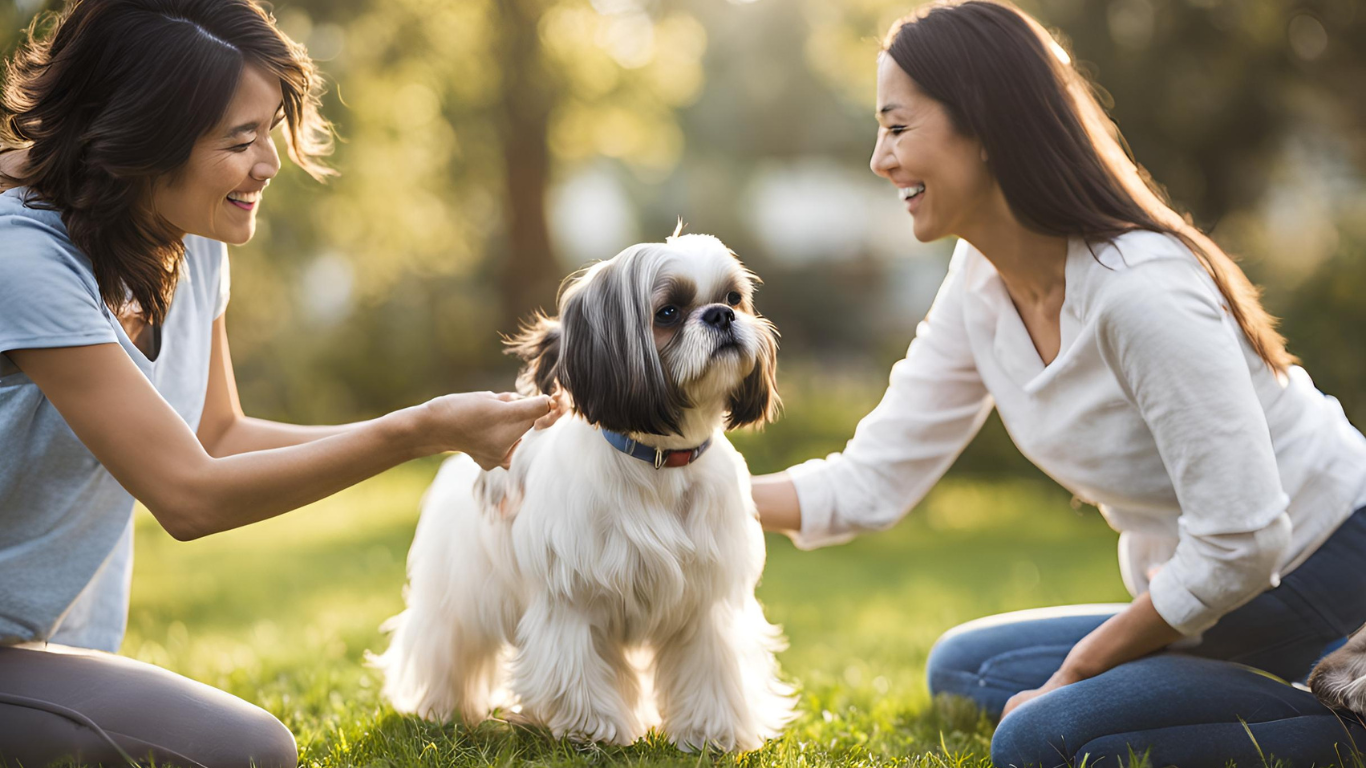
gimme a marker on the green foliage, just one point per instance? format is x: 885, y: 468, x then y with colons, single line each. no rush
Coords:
x: 1325, y: 321
x: 460, y: 119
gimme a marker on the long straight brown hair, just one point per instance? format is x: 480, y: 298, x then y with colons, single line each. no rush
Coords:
x: 115, y: 97
x: 1061, y: 162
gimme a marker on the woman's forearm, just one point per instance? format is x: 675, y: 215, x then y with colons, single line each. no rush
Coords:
x: 775, y: 498
x: 243, y: 488
x: 1132, y: 633
x: 246, y: 434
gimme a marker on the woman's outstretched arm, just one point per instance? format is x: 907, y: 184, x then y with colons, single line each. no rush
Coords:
x: 150, y: 450
x: 224, y: 430
x: 775, y: 497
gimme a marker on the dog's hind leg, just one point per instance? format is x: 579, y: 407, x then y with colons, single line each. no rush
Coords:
x: 437, y: 671
x: 443, y: 657
x: 570, y: 679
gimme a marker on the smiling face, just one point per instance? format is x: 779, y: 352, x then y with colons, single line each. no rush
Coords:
x: 940, y: 173
x: 216, y: 193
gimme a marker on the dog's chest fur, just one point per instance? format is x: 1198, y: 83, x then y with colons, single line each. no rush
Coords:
x: 637, y: 549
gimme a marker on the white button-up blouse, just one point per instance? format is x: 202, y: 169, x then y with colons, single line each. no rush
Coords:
x: 1156, y: 409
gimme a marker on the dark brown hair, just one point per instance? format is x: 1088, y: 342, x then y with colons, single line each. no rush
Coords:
x: 115, y: 97
x: 1061, y: 162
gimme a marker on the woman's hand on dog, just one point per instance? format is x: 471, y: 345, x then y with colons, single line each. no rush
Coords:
x: 558, y: 408
x: 485, y: 425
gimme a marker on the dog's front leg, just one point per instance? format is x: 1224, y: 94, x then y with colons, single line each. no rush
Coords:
x: 568, y: 679
x: 717, y: 681
x: 1339, y: 680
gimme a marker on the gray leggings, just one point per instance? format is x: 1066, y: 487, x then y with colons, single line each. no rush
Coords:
x: 61, y: 703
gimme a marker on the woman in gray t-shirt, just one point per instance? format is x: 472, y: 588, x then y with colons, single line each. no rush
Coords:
x: 138, y: 138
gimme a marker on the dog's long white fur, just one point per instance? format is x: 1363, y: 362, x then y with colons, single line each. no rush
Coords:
x: 603, y: 555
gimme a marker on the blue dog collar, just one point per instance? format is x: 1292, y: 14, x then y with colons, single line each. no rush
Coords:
x: 656, y: 456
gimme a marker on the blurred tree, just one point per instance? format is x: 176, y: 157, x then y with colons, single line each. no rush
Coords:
x: 457, y: 116
x: 1325, y: 320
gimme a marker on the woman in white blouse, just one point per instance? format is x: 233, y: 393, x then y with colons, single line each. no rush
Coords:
x: 1130, y: 359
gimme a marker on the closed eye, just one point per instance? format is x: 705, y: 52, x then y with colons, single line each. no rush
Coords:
x: 242, y: 147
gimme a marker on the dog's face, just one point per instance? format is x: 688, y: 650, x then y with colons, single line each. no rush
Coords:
x: 657, y: 331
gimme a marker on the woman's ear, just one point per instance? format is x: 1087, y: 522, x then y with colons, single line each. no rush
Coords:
x: 538, y: 344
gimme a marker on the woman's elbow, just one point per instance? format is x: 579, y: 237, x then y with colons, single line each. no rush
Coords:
x: 185, y: 516
x: 880, y: 516
x: 1272, y: 542
x: 180, y: 523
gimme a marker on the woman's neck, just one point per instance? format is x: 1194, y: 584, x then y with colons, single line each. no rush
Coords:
x: 1032, y: 265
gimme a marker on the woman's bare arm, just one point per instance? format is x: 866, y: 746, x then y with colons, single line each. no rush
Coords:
x: 775, y: 497
x: 151, y: 451
x: 224, y: 430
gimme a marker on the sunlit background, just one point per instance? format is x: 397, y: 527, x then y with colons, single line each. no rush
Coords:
x: 490, y: 147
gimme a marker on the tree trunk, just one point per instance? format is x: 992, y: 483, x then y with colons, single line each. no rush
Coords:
x: 529, y: 273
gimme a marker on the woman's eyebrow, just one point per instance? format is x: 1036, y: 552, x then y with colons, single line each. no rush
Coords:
x: 248, y: 127
x: 241, y: 129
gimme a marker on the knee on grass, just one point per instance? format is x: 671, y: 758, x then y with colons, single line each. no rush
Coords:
x: 1030, y: 737
x: 952, y: 666
x: 256, y: 739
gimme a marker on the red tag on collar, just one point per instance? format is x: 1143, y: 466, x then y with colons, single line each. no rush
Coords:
x: 678, y: 459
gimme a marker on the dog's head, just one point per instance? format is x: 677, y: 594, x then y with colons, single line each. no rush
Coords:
x: 658, y: 331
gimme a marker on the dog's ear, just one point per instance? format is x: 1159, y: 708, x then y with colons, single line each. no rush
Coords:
x: 755, y: 400
x: 538, y: 344
x: 608, y: 361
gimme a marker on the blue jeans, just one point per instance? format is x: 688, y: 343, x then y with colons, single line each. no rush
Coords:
x: 1190, y: 708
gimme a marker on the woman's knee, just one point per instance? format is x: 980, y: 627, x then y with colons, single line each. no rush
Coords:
x: 953, y: 663
x: 258, y: 741
x: 1027, y: 738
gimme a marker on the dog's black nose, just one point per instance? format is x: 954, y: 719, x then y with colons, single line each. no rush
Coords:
x: 719, y: 317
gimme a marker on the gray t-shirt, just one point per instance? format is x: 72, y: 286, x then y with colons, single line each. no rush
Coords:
x: 66, y: 544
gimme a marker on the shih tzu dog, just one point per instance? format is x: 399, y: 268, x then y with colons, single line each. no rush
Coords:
x: 604, y: 584
x: 1339, y: 680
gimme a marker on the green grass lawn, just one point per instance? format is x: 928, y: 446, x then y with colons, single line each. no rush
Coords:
x: 281, y: 614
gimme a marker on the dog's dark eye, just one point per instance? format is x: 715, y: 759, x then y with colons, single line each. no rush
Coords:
x: 733, y: 299
x: 667, y: 315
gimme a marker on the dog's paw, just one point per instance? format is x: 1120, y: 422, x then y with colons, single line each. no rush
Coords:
x: 1339, y: 680
x: 595, y: 727
x: 719, y: 739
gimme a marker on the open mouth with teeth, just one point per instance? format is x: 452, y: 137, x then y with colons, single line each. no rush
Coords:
x: 245, y: 200
x: 912, y: 192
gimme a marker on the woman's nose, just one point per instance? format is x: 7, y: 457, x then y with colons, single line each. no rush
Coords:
x: 266, y: 168
x: 882, y: 161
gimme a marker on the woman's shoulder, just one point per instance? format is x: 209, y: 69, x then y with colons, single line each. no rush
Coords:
x: 48, y: 293
x: 20, y: 212
x: 1135, y: 269
x: 1140, y: 248
x: 34, y: 242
